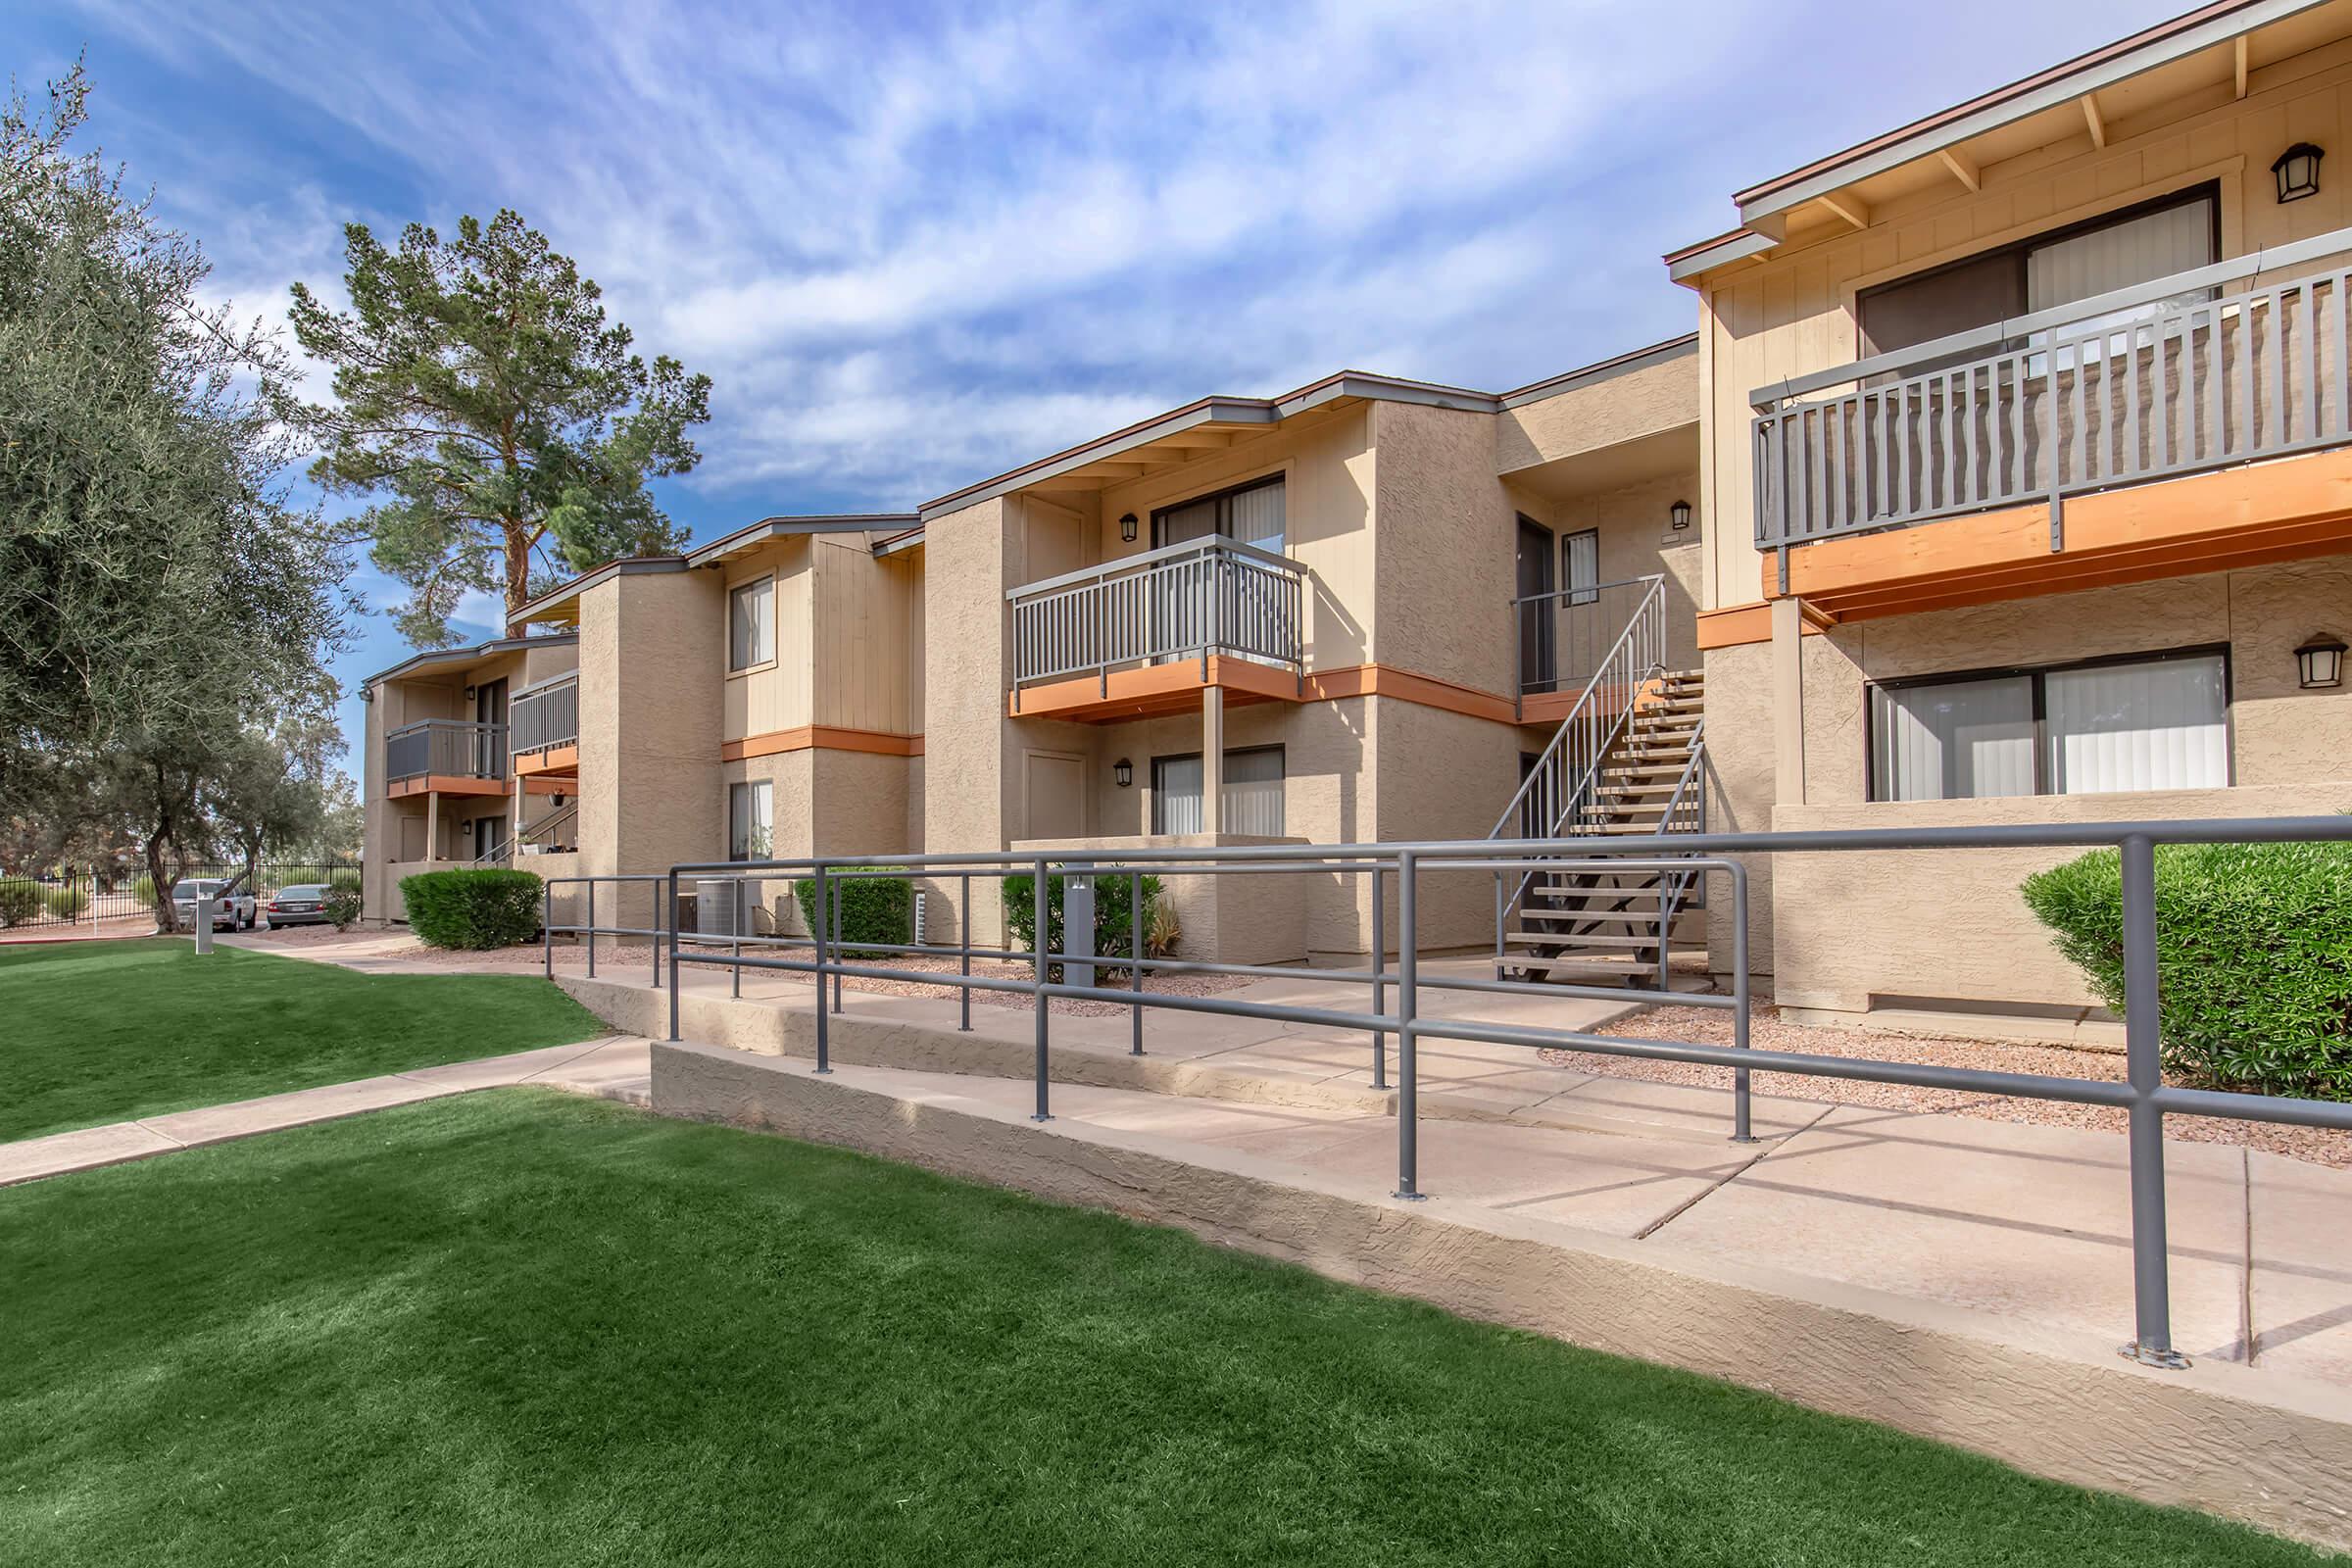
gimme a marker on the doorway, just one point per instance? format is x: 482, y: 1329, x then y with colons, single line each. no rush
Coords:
x: 1537, y: 662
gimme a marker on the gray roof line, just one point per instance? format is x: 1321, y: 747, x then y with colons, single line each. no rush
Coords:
x: 495, y: 645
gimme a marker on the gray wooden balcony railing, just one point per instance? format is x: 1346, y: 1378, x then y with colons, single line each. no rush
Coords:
x: 1204, y: 597
x: 446, y: 748
x: 2197, y: 371
x: 547, y: 715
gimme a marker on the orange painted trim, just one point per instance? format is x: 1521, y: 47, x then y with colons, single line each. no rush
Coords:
x: 551, y: 784
x: 822, y: 738
x: 445, y: 784
x: 1736, y: 626
x: 555, y: 759
x: 1403, y: 685
x: 2284, y: 509
x: 1152, y: 689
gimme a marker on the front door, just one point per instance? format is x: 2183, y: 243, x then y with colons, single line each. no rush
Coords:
x: 1536, y: 671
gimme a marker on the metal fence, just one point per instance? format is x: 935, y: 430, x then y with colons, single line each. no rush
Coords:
x: 96, y: 898
x: 1392, y: 1019
x: 446, y: 748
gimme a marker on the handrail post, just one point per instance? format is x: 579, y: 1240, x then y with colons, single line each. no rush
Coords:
x: 838, y: 900
x: 817, y: 936
x: 671, y: 892
x: 591, y: 933
x: 2151, y: 1285
x: 1135, y: 960
x: 1409, y: 977
x: 1742, y: 1128
x: 964, y: 948
x: 657, y: 944
x: 1380, y: 986
x: 1041, y: 939
x: 547, y: 927
x: 735, y: 914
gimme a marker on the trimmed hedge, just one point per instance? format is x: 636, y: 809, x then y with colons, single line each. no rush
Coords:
x: 473, y: 910
x: 1114, y: 924
x: 874, y: 908
x: 20, y: 902
x: 2253, y: 957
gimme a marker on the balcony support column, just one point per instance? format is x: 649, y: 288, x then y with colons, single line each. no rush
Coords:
x: 432, y: 822
x: 1787, y: 701
x: 1213, y: 759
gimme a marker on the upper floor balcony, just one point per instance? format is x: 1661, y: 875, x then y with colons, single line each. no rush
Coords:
x: 2108, y: 435
x: 1146, y: 633
x: 543, y: 725
x: 446, y: 757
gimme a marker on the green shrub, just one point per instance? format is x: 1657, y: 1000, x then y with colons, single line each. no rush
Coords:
x: 20, y: 902
x: 344, y: 882
x: 68, y: 903
x: 874, y: 908
x: 1114, y: 928
x: 472, y: 910
x: 2253, y: 957
x: 342, y: 906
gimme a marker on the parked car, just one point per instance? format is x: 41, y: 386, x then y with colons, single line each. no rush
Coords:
x: 305, y: 905
x: 236, y: 912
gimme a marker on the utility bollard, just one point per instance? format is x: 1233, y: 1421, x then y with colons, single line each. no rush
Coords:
x: 204, y: 925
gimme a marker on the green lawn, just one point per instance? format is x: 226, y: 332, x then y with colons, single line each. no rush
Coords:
x: 105, y: 1031
x: 519, y: 1328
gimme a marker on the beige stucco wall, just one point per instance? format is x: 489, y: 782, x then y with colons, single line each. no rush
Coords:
x: 1793, y: 313
x: 1842, y: 929
x: 965, y: 575
x: 1446, y: 545
x: 1630, y: 406
x: 1636, y: 540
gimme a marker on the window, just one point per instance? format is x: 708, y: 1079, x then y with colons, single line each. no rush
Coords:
x: 2077, y: 263
x: 751, y: 623
x: 1252, y: 799
x: 1579, y: 560
x: 750, y: 821
x: 2150, y: 723
x: 1250, y: 513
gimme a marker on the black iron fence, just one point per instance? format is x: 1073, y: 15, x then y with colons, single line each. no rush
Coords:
x: 123, y: 902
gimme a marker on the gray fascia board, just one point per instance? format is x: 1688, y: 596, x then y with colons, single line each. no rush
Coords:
x: 1209, y: 411
x: 466, y: 656
x: 1606, y: 371
x: 2209, y: 34
x: 1737, y: 248
x: 1382, y: 390
x: 635, y: 568
x: 793, y: 527
x: 910, y: 540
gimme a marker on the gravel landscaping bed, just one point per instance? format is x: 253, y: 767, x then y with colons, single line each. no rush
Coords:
x: 1767, y: 1032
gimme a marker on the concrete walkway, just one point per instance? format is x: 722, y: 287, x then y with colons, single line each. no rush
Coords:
x: 608, y: 1067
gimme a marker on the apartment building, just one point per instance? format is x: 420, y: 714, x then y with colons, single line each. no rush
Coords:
x: 1360, y: 610
x: 2027, y: 440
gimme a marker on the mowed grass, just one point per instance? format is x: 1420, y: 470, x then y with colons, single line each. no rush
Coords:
x: 94, y: 1032
x: 517, y: 1328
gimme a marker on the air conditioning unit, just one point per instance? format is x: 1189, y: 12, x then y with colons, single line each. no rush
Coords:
x: 918, y: 920
x: 722, y: 908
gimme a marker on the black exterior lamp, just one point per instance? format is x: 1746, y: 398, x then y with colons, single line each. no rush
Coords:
x: 1127, y: 527
x: 2319, y: 661
x: 1122, y: 772
x: 1679, y: 513
x: 2298, y: 171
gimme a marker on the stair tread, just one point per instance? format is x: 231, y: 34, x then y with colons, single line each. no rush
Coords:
x: 1567, y: 944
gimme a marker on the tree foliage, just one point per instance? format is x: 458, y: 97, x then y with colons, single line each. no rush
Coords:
x: 498, y: 418
x: 158, y: 593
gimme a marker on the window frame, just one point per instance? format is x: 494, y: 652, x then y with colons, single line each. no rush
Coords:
x: 2017, y: 250
x: 735, y: 592
x: 1280, y: 476
x: 2037, y: 677
x: 1159, y: 758
x: 750, y: 788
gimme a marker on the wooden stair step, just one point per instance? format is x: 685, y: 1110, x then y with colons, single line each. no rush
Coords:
x: 1565, y: 944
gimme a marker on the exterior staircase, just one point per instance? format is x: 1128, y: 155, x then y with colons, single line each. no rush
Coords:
x: 1628, y: 761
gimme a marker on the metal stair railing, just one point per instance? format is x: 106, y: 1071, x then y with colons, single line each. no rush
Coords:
x: 1686, y: 812
x: 1564, y: 777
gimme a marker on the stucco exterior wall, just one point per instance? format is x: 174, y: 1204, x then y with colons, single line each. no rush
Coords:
x: 1626, y: 407
x: 1636, y: 540
x: 1446, y: 544
x: 965, y: 575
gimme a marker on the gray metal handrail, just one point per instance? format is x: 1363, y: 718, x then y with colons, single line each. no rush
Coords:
x: 2142, y: 1095
x: 1201, y: 598
x: 2162, y: 378
x: 449, y: 748
x: 568, y: 811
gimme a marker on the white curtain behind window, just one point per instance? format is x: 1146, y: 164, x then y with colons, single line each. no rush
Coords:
x: 1176, y: 795
x: 1253, y: 793
x: 2153, y: 727
x: 1256, y: 516
x: 1952, y: 741
x: 2176, y: 239
x: 752, y: 636
x: 1582, y: 557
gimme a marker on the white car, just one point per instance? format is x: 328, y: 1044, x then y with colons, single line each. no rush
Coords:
x: 236, y: 912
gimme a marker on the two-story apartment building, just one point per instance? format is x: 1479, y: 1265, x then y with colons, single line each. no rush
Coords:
x: 2027, y: 438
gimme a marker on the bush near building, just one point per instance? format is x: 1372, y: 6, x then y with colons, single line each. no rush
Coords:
x: 2253, y: 957
x: 20, y: 902
x: 879, y: 909
x: 1114, y: 917
x: 472, y: 910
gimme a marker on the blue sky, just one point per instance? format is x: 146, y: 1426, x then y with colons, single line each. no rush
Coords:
x: 915, y: 245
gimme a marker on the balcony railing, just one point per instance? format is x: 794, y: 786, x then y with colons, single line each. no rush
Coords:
x: 446, y: 748
x: 1204, y: 597
x: 1565, y: 635
x: 541, y: 718
x: 2197, y: 370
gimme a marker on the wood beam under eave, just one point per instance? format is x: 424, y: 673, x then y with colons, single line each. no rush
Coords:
x: 1198, y: 440
x: 1106, y: 469
x: 2094, y: 120
x: 2239, y: 63
x: 1847, y: 207
x: 1963, y: 167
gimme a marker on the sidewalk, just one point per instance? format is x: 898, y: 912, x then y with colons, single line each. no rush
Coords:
x: 608, y: 1067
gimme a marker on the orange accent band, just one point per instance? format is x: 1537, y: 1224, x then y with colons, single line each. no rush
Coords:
x: 822, y: 738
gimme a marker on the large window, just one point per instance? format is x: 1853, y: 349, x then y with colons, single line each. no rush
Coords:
x: 751, y: 623
x: 1252, y: 513
x: 1251, y: 798
x: 2176, y: 234
x: 750, y: 821
x: 2159, y: 722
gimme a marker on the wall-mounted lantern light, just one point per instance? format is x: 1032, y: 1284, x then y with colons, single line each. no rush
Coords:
x: 1680, y: 513
x: 1122, y: 772
x: 467, y: 828
x: 469, y: 690
x: 2319, y: 661
x: 1127, y: 527
x: 2298, y: 171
